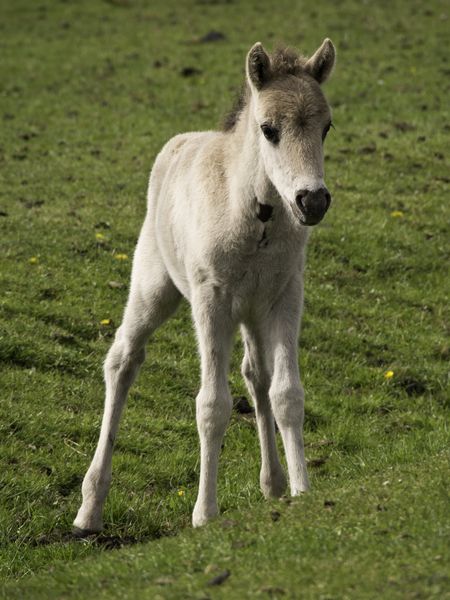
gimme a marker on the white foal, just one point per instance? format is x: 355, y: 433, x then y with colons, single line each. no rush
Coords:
x: 226, y: 227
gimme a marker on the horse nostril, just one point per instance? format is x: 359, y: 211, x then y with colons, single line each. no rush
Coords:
x: 299, y: 199
x: 328, y: 200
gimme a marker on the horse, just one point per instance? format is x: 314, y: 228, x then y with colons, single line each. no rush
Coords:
x: 228, y: 218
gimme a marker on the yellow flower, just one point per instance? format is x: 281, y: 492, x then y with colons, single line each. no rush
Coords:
x: 99, y: 236
x: 33, y: 260
x: 181, y: 492
x: 105, y: 322
x: 389, y: 375
x: 396, y: 213
x: 121, y: 256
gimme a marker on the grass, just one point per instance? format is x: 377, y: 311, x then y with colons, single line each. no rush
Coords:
x: 89, y: 92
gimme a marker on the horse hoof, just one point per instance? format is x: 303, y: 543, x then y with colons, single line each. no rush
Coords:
x: 273, y: 485
x: 80, y: 533
x: 200, y: 518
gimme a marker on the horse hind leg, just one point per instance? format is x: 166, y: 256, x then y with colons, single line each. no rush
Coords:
x: 149, y: 305
x: 257, y: 378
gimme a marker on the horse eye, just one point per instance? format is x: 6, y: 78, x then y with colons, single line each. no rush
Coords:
x: 270, y: 133
x: 325, y: 131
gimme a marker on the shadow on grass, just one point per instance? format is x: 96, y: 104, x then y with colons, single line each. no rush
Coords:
x: 99, y: 540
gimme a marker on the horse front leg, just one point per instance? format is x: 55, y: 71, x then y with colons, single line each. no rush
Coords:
x: 257, y: 376
x: 286, y: 391
x: 213, y: 405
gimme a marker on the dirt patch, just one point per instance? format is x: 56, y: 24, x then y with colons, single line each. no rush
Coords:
x: 242, y: 406
x: 412, y: 386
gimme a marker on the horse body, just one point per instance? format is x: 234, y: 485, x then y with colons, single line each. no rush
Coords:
x: 226, y: 227
x: 209, y: 231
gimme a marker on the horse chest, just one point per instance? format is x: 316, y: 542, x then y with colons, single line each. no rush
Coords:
x: 255, y: 279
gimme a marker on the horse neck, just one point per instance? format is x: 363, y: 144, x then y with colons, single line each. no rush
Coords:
x: 248, y: 177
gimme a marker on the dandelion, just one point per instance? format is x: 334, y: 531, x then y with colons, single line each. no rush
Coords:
x: 396, y: 214
x: 105, y: 322
x: 121, y: 256
x: 33, y: 260
x: 181, y: 493
x: 99, y: 236
x: 389, y: 375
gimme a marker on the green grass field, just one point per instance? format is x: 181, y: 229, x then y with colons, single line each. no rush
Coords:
x: 89, y: 92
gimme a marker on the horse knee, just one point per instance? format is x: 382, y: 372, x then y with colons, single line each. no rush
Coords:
x: 124, y: 358
x: 257, y: 379
x: 247, y: 370
x: 288, y: 406
x: 213, y: 411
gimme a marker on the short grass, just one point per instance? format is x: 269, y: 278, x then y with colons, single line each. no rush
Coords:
x: 89, y: 92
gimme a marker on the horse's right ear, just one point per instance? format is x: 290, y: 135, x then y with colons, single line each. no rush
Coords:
x: 258, y: 66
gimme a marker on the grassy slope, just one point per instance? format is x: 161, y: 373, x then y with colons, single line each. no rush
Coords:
x: 372, y: 540
x: 89, y: 93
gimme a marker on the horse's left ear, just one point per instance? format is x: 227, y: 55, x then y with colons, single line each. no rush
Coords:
x: 322, y: 62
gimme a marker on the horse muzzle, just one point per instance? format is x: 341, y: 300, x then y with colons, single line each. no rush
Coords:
x: 312, y: 205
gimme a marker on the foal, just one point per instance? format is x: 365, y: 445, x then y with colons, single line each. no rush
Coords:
x: 226, y: 227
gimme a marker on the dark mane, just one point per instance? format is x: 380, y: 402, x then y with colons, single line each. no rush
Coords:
x: 232, y: 117
x: 284, y: 61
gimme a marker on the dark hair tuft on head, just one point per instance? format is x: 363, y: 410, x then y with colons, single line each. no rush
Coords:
x: 284, y: 61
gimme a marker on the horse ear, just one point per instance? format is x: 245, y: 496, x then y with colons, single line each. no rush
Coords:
x: 322, y: 62
x: 258, y: 66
